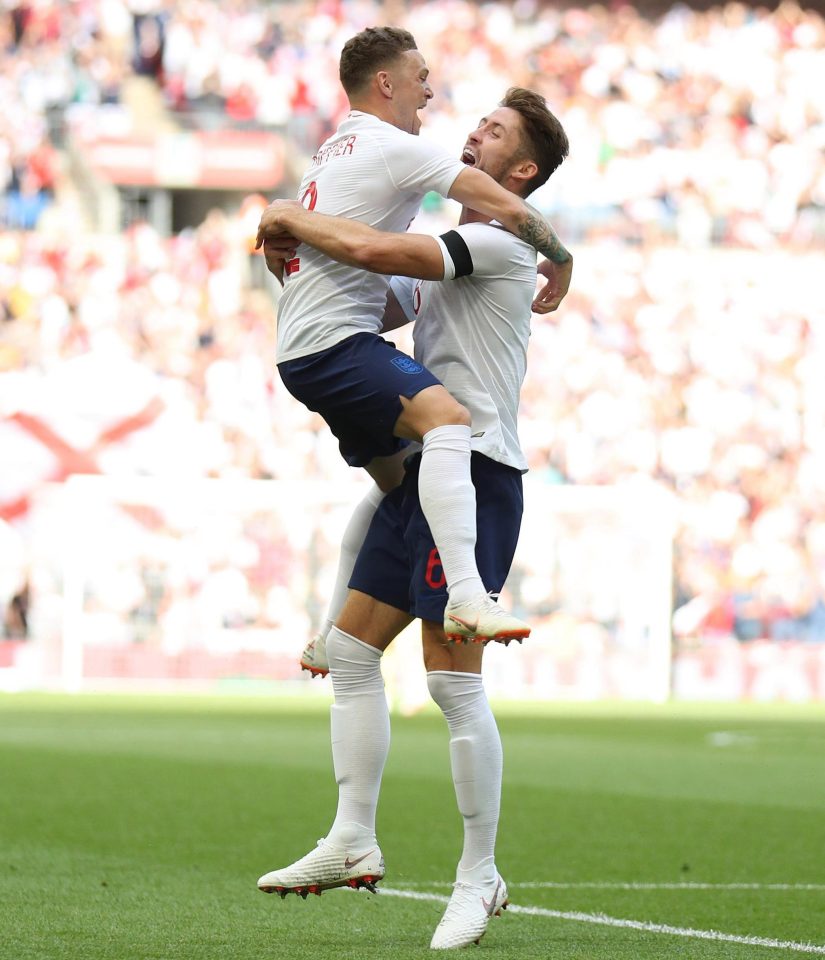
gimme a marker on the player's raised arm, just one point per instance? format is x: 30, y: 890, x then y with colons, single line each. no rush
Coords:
x: 475, y: 189
x: 478, y: 191
x: 354, y: 243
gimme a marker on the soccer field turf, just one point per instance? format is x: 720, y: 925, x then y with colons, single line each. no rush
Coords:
x: 136, y: 828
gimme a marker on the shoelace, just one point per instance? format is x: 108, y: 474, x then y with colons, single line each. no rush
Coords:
x: 468, y: 894
x: 496, y: 610
x: 481, y: 598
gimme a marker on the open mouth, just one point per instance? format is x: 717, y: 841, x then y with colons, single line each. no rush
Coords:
x: 468, y: 157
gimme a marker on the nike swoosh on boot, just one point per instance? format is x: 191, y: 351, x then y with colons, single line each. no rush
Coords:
x: 349, y: 864
x: 491, y: 905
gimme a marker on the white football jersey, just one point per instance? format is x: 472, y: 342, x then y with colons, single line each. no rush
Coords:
x: 370, y: 171
x: 472, y: 333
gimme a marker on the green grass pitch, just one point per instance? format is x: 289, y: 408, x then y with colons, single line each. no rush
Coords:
x: 135, y: 828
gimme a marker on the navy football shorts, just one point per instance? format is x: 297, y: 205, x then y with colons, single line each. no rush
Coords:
x: 399, y: 564
x: 355, y: 385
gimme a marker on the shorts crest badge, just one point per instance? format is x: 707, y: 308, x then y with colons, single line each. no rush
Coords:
x: 407, y: 364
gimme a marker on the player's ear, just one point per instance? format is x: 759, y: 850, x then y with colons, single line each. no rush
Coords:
x: 524, y: 170
x: 384, y: 83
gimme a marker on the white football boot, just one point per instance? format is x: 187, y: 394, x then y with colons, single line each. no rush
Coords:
x: 468, y: 913
x: 326, y: 867
x: 314, y: 657
x: 481, y: 619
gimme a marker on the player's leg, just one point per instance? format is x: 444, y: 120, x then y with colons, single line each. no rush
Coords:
x: 360, y: 725
x: 375, y: 611
x: 387, y: 472
x: 349, y: 855
x: 355, y: 386
x: 435, y: 419
x: 448, y: 500
x: 455, y: 683
x: 373, y: 397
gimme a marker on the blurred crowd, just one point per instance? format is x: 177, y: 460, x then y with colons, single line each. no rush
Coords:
x: 703, y: 127
x: 689, y: 352
x: 703, y: 372
x: 697, y: 370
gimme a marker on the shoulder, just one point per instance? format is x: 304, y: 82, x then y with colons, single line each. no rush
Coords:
x: 405, y: 144
x: 488, y: 250
x: 494, y: 250
x: 493, y: 234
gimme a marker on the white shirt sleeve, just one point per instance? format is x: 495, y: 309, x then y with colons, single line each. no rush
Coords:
x: 449, y: 265
x: 494, y: 250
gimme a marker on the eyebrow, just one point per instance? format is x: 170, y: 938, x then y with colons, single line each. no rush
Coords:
x: 495, y: 123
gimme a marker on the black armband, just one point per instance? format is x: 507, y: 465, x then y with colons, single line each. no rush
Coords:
x: 459, y: 251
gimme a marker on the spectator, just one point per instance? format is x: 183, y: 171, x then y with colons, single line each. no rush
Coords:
x: 672, y: 358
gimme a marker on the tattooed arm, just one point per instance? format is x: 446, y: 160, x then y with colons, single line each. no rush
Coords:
x: 479, y: 192
x: 557, y: 283
x: 536, y: 230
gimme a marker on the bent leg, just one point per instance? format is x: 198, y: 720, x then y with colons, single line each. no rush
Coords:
x: 351, y: 543
x: 387, y: 472
x: 373, y: 622
x: 445, y: 487
x: 428, y: 409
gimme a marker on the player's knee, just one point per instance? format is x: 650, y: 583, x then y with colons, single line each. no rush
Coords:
x: 436, y: 660
x: 439, y: 686
x: 446, y: 412
x: 336, y: 645
x: 428, y: 410
x: 453, y: 412
x: 442, y: 656
x: 439, y: 408
x: 387, y: 472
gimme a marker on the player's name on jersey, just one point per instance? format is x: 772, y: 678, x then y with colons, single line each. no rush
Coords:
x: 339, y: 148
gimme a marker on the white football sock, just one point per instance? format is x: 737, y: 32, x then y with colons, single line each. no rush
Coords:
x: 351, y: 543
x: 360, y: 729
x: 448, y: 500
x: 476, y: 761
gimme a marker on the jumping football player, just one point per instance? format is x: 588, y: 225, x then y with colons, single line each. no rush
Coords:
x: 330, y: 355
x: 472, y: 331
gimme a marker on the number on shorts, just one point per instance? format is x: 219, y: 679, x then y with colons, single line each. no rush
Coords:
x: 435, y: 572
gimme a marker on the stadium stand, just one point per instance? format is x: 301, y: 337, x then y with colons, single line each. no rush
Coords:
x: 690, y: 350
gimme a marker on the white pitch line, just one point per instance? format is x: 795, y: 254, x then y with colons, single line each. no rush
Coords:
x: 633, y: 885
x: 687, y: 885
x: 604, y: 920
